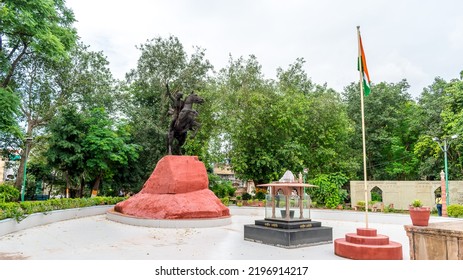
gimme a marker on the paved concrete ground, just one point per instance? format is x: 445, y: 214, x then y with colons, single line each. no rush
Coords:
x: 97, y: 238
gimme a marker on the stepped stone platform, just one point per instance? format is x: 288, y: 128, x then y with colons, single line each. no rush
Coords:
x: 366, y: 244
x: 288, y: 233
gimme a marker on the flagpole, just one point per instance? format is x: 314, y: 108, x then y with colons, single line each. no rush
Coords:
x: 363, y: 127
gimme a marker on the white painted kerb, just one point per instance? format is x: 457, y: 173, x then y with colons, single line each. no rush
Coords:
x: 174, y: 223
x: 37, y: 219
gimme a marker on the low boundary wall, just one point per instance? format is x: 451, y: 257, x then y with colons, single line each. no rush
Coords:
x: 38, y: 219
x: 402, y: 193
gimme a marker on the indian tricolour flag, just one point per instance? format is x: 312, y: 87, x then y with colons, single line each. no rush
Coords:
x: 362, y: 66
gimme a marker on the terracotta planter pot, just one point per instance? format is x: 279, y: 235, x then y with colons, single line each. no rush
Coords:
x: 420, y: 215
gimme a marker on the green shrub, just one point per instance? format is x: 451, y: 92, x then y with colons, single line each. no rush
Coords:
x: 260, y: 195
x: 8, y: 193
x: 98, y: 200
x: 292, y: 203
x: 225, y: 201
x: 246, y: 196
x: 28, y: 207
x: 376, y: 196
x: 55, y: 203
x: 20, y: 210
x: 329, y: 192
x: 221, y: 188
x: 48, y: 205
x: 455, y: 210
x: 417, y: 203
x: 12, y: 210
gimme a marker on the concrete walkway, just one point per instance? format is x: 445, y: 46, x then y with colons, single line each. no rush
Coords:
x: 97, y: 238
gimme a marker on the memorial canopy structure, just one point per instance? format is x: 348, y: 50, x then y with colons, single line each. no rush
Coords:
x: 287, y: 221
x: 290, y: 198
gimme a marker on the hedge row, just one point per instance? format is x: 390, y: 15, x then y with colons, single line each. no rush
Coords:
x: 20, y: 210
x: 455, y: 210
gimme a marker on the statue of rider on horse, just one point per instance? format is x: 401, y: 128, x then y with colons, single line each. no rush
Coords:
x: 183, y: 120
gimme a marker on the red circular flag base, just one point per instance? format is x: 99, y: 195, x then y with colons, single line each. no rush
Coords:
x: 366, y: 244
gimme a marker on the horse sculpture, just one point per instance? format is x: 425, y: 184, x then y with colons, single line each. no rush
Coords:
x: 184, y: 119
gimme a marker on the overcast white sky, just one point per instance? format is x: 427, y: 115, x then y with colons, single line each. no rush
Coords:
x: 416, y: 40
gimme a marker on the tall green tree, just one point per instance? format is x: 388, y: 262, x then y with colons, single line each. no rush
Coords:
x: 89, y: 146
x: 440, y: 106
x: 66, y: 153
x: 40, y: 28
x: 327, y: 131
x: 40, y: 172
x: 288, y: 124
x: 391, y: 130
x: 9, y: 102
x: 247, y: 99
x: 105, y: 148
x: 162, y: 61
x: 453, y: 118
x: 45, y: 85
x: 431, y: 104
x: 87, y: 80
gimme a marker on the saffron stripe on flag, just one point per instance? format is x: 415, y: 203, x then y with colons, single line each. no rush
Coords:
x: 365, y: 74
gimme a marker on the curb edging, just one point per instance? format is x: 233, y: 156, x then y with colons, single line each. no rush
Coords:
x: 8, y: 226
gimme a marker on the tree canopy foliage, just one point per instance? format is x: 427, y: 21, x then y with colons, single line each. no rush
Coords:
x: 94, y: 132
x: 163, y: 61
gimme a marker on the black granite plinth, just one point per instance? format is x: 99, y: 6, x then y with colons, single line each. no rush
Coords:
x: 288, y: 234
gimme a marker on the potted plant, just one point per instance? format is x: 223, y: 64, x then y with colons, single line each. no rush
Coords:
x: 419, y: 213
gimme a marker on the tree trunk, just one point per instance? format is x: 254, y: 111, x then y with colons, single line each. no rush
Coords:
x: 82, y: 186
x: 19, y: 178
x: 24, y: 155
x: 50, y: 189
x: 68, y: 183
x: 96, y: 186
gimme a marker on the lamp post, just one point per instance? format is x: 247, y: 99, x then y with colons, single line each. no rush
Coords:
x: 23, y: 187
x: 444, y: 145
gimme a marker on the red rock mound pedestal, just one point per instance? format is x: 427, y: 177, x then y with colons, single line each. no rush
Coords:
x: 366, y: 244
x: 176, y: 190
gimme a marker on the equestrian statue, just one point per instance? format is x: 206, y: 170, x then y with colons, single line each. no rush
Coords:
x: 183, y: 120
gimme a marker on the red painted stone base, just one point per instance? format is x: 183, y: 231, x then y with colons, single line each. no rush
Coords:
x: 177, y: 189
x: 366, y: 244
